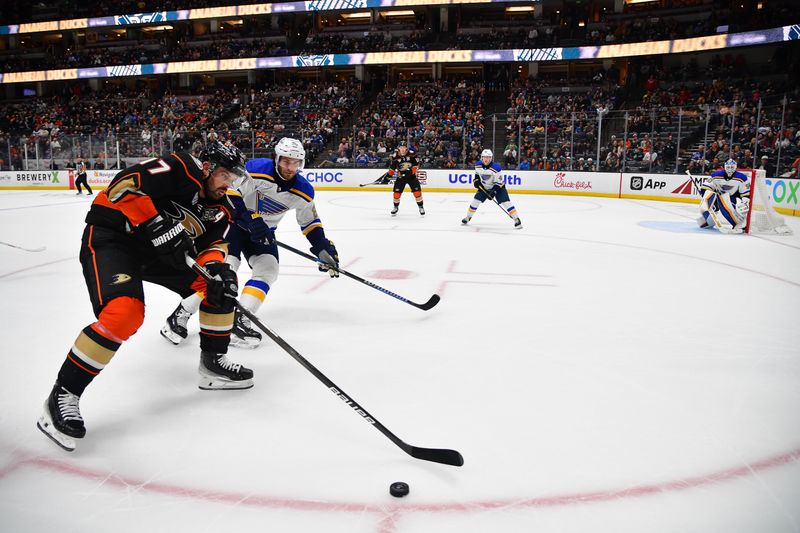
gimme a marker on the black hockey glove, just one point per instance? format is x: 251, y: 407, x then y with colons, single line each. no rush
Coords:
x: 327, y: 254
x: 477, y: 182
x: 259, y: 230
x: 223, y: 288
x: 171, y: 241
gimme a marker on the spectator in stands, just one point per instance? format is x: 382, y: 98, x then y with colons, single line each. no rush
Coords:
x: 765, y: 166
x: 362, y: 159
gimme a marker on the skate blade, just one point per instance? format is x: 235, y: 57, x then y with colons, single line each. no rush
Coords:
x: 247, y: 344
x: 220, y: 383
x: 64, y: 441
x: 171, y: 336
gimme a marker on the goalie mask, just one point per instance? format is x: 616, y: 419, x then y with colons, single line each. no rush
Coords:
x: 730, y: 167
x: 289, y: 149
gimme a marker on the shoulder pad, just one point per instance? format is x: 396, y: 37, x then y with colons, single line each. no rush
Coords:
x: 302, y: 186
x: 262, y: 165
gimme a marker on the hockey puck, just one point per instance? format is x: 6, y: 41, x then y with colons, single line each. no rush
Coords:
x: 398, y: 489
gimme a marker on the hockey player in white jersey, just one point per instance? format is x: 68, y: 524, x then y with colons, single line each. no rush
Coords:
x: 490, y: 184
x: 726, y: 199
x: 271, y: 189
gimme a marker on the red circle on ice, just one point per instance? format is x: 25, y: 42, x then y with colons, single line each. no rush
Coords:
x: 391, y: 274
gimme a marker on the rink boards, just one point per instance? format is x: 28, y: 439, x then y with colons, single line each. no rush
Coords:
x: 633, y: 185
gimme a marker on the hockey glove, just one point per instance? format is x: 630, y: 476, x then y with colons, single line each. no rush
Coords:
x: 477, y: 182
x: 171, y: 241
x: 327, y: 254
x: 259, y: 230
x: 223, y: 288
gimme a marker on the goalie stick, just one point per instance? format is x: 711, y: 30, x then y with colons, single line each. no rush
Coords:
x: 38, y: 249
x: 432, y: 301
x: 378, y: 181
x: 436, y: 455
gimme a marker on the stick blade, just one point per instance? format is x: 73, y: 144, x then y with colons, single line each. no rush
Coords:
x: 430, y: 303
x: 437, y: 455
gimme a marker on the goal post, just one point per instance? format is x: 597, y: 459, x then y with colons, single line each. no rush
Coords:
x: 762, y: 217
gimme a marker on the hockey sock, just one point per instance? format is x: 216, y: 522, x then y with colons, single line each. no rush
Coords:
x: 510, y: 209
x: 215, y: 328
x: 253, y: 294
x: 418, y: 197
x: 88, y: 356
x: 192, y: 302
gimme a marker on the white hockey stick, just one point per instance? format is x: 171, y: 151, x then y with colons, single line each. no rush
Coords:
x: 39, y: 249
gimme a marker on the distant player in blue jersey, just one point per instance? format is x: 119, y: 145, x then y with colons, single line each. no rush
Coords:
x: 726, y: 199
x: 272, y: 189
x: 490, y: 184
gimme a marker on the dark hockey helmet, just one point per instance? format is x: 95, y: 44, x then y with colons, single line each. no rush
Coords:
x: 226, y: 155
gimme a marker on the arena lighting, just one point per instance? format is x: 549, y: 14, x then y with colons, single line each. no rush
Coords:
x: 360, y: 15
x: 163, y: 27
x: 640, y: 1
x: 519, y: 9
x: 404, y: 13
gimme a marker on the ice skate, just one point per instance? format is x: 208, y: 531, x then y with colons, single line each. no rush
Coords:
x: 394, y: 210
x: 61, y: 419
x: 421, y: 210
x: 243, y: 335
x: 217, y: 372
x: 517, y: 223
x: 175, y: 328
x: 465, y: 220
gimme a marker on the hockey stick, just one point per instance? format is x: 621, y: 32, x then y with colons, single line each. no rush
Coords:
x: 39, y: 249
x: 378, y: 181
x: 433, y: 300
x: 484, y: 191
x: 436, y: 455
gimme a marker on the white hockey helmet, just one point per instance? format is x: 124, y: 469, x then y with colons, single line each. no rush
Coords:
x: 288, y: 147
x: 487, y: 153
x: 730, y: 167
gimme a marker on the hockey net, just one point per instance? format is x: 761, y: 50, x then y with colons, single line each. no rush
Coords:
x: 762, y: 216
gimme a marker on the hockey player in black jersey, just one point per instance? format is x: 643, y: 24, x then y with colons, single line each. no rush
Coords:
x: 403, y: 167
x: 141, y: 228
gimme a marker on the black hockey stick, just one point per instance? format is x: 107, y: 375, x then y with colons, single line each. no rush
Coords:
x: 433, y: 300
x: 378, y: 181
x: 484, y: 191
x: 436, y: 455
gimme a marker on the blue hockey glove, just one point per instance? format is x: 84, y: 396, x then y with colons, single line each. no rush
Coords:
x: 259, y: 231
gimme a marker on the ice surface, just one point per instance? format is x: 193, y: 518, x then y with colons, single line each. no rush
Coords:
x: 608, y: 368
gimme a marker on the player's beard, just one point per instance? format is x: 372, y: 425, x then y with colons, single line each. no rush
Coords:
x: 216, y: 193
